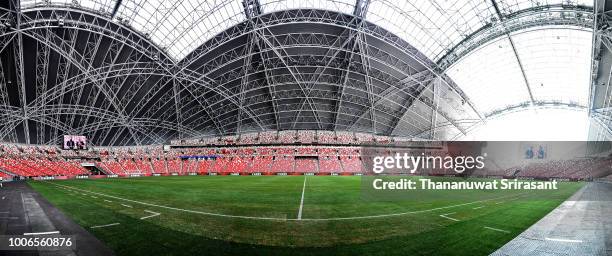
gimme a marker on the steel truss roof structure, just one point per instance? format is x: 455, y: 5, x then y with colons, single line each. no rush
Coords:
x: 600, y: 104
x: 142, y: 72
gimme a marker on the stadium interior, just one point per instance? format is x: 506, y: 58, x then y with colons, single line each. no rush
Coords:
x: 119, y: 106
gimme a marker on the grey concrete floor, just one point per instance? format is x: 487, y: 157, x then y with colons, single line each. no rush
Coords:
x: 23, y: 210
x: 581, y: 225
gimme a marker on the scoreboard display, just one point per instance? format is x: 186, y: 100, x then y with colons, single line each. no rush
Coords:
x: 75, y: 142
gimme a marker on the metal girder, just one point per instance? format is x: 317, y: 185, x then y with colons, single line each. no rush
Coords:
x: 49, y: 16
x: 539, y: 104
x: 545, y: 15
x: 19, y: 69
x: 42, y: 29
x: 600, y: 98
x: 516, y: 55
x: 227, y: 57
x: 334, y: 71
x: 42, y: 70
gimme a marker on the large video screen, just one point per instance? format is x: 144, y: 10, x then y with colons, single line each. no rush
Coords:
x: 75, y: 142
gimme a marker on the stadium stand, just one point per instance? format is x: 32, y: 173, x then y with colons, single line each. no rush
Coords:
x: 175, y: 166
x: 6, y: 176
x: 249, y: 139
x: 287, y: 137
x: 268, y: 137
x: 32, y: 161
x: 306, y: 137
x: 290, y: 152
x: 159, y: 166
x: 283, y: 163
x: 326, y: 137
x: 306, y: 165
x: 190, y: 166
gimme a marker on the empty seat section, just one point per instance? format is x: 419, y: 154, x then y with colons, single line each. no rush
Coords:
x: 220, y: 165
x: 159, y: 166
x: 262, y: 164
x: 204, y: 165
x: 174, y: 166
x: 306, y: 165
x: 237, y: 164
x: 144, y: 166
x: 190, y: 166
x: 283, y: 163
x: 351, y: 164
x: 329, y: 164
x: 306, y: 137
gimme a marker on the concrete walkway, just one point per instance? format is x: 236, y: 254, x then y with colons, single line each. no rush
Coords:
x: 581, y: 225
x: 23, y: 210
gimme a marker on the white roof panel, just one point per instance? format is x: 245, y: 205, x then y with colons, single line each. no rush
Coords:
x: 181, y: 26
x: 344, y: 6
x: 430, y: 26
x: 490, y: 76
x: 557, y: 63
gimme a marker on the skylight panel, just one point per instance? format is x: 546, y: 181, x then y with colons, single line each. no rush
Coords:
x: 343, y: 6
x: 430, y: 26
x: 490, y: 76
x: 181, y: 26
x: 95, y: 5
x: 556, y: 62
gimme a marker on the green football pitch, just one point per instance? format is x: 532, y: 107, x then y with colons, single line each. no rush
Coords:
x: 288, y: 215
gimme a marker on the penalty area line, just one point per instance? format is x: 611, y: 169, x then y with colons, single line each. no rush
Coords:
x: 154, y: 214
x: 107, y: 225
x: 299, y: 216
x: 41, y: 233
x: 497, y: 229
x: 446, y: 217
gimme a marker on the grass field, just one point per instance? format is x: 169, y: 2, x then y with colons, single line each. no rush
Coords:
x: 258, y: 215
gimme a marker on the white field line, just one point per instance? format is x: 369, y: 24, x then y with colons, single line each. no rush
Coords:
x: 94, y: 197
x: 154, y: 214
x: 498, y: 230
x: 479, y: 207
x: 108, y: 201
x: 299, y: 216
x: 284, y: 219
x: 563, y: 240
x: 41, y: 233
x: 107, y: 225
x: 446, y: 217
x: 128, y: 206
